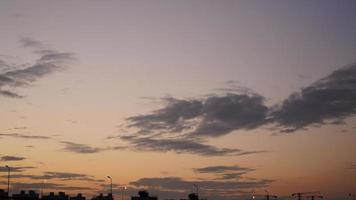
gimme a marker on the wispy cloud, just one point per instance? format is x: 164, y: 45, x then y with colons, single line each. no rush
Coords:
x: 49, y: 61
x: 221, y: 169
x: 225, y: 172
x: 180, y: 146
x: 59, y: 176
x: 11, y: 158
x: 17, y: 186
x: 80, y: 148
x: 16, y: 168
x: 25, y: 136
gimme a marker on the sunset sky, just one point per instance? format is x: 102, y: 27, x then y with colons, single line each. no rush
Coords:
x: 237, y: 97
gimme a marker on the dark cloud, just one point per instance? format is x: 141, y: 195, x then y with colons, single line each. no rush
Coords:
x: 16, y: 168
x: 231, y: 112
x: 213, y: 116
x: 17, y: 186
x: 50, y: 61
x: 178, y: 186
x: 80, y: 148
x: 225, y: 172
x: 173, y: 117
x: 329, y: 100
x: 228, y: 176
x: 59, y: 176
x: 180, y: 124
x: 25, y: 136
x: 180, y: 146
x: 10, y: 94
x: 222, y: 169
x: 332, y: 98
x: 67, y: 176
x: 19, y: 128
x: 12, y: 158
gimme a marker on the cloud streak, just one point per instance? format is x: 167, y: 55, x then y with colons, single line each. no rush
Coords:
x: 221, y: 169
x: 224, y: 172
x: 49, y: 61
x: 17, y: 186
x: 12, y: 158
x: 80, y: 148
x: 25, y: 136
x: 16, y: 168
x: 64, y: 176
x: 332, y: 98
x: 181, y: 146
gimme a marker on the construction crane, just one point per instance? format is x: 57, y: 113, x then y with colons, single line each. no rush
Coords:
x: 302, y: 194
x: 268, y: 195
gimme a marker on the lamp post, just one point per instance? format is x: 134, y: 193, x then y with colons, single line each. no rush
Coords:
x: 42, y: 188
x: 109, y: 177
x: 197, y: 189
x: 123, y: 192
x: 8, y: 180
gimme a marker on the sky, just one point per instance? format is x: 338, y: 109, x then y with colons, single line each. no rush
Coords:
x: 235, y: 97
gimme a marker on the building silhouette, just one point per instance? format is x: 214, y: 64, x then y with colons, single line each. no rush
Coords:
x: 3, y: 194
x: 52, y: 196
x: 78, y: 197
x: 192, y: 196
x: 103, y: 197
x: 143, y: 195
x: 31, y: 195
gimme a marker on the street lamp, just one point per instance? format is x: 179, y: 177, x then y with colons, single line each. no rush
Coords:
x: 197, y: 189
x: 8, y: 180
x: 109, y: 177
x: 123, y: 192
x: 42, y: 188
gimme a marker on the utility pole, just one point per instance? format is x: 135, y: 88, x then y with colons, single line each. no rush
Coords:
x: 315, y: 196
x: 268, y: 195
x: 42, y: 188
x: 123, y: 192
x: 197, y: 189
x: 301, y: 194
x: 8, y: 181
x: 110, y: 186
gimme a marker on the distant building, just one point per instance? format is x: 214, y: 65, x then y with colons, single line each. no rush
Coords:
x: 3, y: 194
x: 78, y: 197
x: 103, y: 197
x: 193, y: 196
x: 52, y: 196
x: 31, y: 195
x: 143, y: 195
